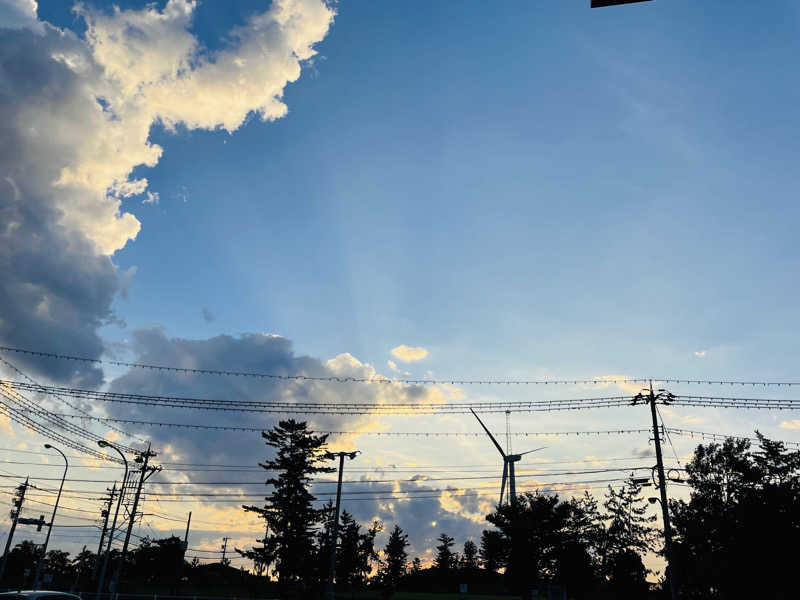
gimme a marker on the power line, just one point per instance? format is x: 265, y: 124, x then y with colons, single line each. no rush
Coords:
x: 376, y: 433
x: 388, y: 380
x: 354, y: 481
x: 396, y: 408
x: 17, y: 370
x: 722, y: 436
x: 327, y: 378
x: 341, y: 408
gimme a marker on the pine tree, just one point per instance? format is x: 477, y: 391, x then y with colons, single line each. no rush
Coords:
x: 629, y: 527
x: 444, y: 561
x: 629, y: 535
x: 469, y: 558
x: 395, y: 559
x: 356, y: 551
x: 291, y: 520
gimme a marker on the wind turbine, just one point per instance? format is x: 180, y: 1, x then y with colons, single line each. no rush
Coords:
x: 508, y: 464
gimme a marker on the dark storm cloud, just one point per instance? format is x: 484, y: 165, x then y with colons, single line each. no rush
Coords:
x: 55, y: 290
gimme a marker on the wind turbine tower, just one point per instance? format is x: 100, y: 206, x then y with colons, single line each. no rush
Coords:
x: 508, y: 464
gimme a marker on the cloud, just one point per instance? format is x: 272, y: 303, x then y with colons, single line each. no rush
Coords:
x: 632, y: 387
x: 409, y: 353
x: 793, y: 424
x: 700, y: 353
x: 75, y: 118
x: 208, y: 316
x: 269, y: 353
x: 19, y: 14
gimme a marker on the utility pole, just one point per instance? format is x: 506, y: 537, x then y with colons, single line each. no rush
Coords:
x: 105, y: 513
x: 224, y: 549
x: 651, y: 398
x: 186, y: 535
x: 102, y: 579
x: 144, y: 474
x: 335, y: 528
x: 20, y: 499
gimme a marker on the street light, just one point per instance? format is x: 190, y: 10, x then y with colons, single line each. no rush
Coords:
x: 40, y: 563
x: 335, y: 529
x: 105, y: 444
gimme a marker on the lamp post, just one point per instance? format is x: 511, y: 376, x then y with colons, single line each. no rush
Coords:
x: 335, y: 528
x: 105, y: 444
x: 40, y: 563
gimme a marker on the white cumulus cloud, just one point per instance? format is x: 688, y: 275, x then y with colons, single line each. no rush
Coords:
x: 409, y: 353
x: 75, y: 120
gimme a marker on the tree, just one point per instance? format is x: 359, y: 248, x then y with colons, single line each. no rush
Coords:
x: 356, y: 551
x: 395, y: 559
x: 730, y: 536
x: 628, y: 536
x: 543, y: 539
x: 445, y: 559
x: 493, y: 550
x: 416, y: 566
x: 629, y: 526
x: 57, y: 564
x: 469, y: 558
x: 157, y: 560
x: 82, y: 565
x: 291, y: 519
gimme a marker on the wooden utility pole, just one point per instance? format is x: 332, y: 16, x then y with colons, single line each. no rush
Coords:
x: 145, y: 474
x: 186, y: 535
x: 14, y: 518
x: 105, y: 514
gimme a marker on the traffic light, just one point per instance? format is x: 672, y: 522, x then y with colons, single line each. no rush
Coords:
x: 40, y: 523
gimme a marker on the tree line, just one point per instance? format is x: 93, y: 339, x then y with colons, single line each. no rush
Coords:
x: 730, y: 537
x: 743, y: 503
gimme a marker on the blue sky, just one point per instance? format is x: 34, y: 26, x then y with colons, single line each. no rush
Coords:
x: 524, y: 185
x: 523, y: 189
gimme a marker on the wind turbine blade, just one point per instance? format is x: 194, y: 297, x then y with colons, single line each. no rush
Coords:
x: 534, y: 450
x: 503, y: 485
x: 494, y: 441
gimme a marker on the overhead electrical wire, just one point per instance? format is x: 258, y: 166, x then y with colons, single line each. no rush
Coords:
x: 375, y: 433
x: 19, y: 409
x: 166, y: 496
x: 389, y: 408
x: 22, y: 418
x: 17, y: 370
x: 722, y: 436
x: 388, y: 380
x: 419, y: 479
x: 341, y: 408
x: 312, y: 378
